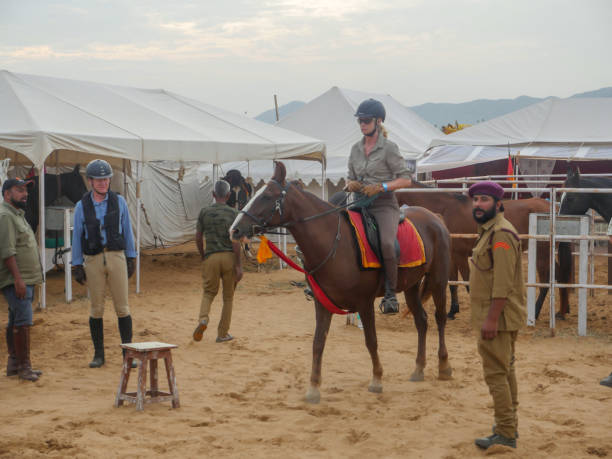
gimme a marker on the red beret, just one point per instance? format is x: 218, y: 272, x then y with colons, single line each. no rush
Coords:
x: 488, y: 188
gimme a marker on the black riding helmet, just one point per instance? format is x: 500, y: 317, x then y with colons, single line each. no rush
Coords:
x: 371, y: 108
x: 99, y: 169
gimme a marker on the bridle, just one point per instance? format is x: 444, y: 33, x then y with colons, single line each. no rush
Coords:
x: 263, y: 224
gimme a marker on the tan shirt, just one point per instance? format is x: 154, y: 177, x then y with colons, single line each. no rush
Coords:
x: 496, y: 272
x: 383, y: 164
x: 17, y: 239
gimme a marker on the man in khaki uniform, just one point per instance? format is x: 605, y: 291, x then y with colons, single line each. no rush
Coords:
x: 497, y: 296
x: 608, y: 380
x: 220, y: 261
x: 20, y: 271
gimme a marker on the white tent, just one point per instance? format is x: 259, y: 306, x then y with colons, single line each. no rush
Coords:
x: 330, y: 117
x: 41, y: 115
x: 62, y: 121
x: 572, y: 129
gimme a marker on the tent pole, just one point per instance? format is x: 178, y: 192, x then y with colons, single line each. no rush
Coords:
x: 323, y: 182
x: 125, y: 184
x: 138, y: 204
x: 41, y: 234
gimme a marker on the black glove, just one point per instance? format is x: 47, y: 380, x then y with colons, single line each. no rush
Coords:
x: 131, y: 266
x: 79, y: 274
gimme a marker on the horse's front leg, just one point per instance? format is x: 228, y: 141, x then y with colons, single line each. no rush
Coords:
x: 323, y: 317
x: 369, y: 331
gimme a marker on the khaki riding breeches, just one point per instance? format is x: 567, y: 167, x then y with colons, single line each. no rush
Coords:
x: 107, y: 267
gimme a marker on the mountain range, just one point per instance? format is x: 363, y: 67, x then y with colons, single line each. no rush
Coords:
x: 440, y: 114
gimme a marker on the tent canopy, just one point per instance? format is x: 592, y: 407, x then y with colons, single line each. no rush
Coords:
x: 330, y: 117
x: 576, y: 128
x: 43, y: 114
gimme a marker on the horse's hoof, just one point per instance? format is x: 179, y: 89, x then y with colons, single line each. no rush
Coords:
x: 451, y: 315
x: 445, y: 374
x: 375, y: 387
x: 313, y: 395
x: 559, y: 316
x: 417, y: 376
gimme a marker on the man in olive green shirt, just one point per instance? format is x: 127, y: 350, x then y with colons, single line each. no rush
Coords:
x: 497, y: 297
x: 20, y: 271
x: 220, y: 261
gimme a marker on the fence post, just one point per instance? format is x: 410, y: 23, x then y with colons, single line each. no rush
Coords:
x: 67, y: 255
x: 582, y: 276
x: 531, y: 269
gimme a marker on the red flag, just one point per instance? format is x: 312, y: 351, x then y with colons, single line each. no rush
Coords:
x: 510, y: 172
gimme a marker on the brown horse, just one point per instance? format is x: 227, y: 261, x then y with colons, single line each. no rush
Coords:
x: 456, y: 211
x: 326, y: 240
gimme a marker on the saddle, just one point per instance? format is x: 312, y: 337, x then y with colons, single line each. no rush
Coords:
x: 409, y: 247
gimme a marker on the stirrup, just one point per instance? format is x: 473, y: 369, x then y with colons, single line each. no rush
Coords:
x: 389, y: 305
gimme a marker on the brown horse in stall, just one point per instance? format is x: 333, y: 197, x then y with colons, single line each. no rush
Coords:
x: 326, y: 240
x: 456, y: 211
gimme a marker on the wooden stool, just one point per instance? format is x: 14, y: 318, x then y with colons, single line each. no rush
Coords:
x: 147, y: 352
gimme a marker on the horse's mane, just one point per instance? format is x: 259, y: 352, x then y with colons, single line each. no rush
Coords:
x: 591, y: 182
x: 458, y: 196
x: 298, y: 184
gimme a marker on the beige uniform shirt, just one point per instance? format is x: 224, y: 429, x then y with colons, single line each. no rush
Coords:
x: 383, y: 164
x: 17, y: 239
x: 496, y: 272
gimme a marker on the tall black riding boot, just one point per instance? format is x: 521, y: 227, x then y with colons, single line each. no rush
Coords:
x: 389, y: 304
x: 96, y: 327
x: 21, y: 338
x: 125, y: 330
x: 11, y: 364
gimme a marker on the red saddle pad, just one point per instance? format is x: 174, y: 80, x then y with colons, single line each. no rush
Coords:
x: 412, y: 252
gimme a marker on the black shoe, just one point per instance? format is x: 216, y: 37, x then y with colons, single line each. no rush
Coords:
x: 97, y: 362
x: 607, y: 381
x: 495, y: 439
x: 309, y: 294
x: 389, y: 305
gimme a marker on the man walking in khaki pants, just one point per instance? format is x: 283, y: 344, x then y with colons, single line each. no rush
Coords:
x: 497, y: 297
x: 103, y: 241
x: 221, y: 260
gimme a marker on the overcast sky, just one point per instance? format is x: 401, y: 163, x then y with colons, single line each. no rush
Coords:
x: 237, y: 53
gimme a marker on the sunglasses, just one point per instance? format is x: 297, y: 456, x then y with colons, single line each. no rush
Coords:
x: 364, y: 120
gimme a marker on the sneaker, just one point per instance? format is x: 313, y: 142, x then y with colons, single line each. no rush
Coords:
x: 223, y: 339
x: 606, y: 381
x: 199, y: 331
x: 495, y: 439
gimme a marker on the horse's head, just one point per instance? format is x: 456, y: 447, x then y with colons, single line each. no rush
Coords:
x: 266, y: 209
x: 73, y: 185
x: 574, y: 203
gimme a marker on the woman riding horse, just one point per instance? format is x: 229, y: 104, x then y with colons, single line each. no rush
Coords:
x: 376, y: 167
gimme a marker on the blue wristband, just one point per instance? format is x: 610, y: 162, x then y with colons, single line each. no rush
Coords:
x: 385, y: 187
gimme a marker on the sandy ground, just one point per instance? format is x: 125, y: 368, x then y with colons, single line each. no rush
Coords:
x: 245, y: 398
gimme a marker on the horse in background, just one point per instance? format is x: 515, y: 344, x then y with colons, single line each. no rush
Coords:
x: 69, y: 184
x: 579, y: 204
x: 456, y: 211
x: 240, y: 190
x: 330, y: 256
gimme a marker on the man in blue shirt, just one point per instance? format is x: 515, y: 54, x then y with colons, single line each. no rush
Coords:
x: 103, y: 251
